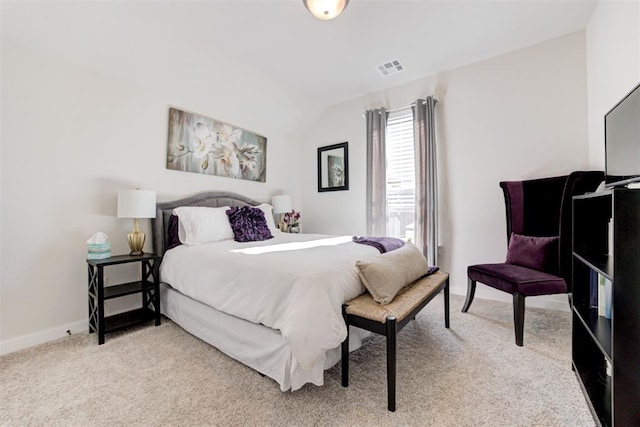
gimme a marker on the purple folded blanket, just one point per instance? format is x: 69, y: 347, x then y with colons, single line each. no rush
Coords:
x: 432, y: 270
x: 383, y: 244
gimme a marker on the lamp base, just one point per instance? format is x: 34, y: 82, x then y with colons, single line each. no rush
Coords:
x: 136, y: 242
x: 282, y: 225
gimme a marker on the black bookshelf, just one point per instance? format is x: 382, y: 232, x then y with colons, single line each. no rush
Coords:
x: 612, y: 394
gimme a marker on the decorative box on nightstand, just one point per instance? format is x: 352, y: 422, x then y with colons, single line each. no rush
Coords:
x: 148, y: 287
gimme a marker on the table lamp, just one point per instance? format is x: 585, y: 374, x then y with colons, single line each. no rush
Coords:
x: 136, y: 204
x: 281, y: 205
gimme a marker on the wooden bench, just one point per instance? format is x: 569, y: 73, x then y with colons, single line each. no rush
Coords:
x: 389, y: 319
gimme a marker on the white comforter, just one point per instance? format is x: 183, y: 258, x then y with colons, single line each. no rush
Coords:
x: 295, y: 283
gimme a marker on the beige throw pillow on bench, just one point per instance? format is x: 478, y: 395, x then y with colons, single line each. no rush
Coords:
x: 386, y: 274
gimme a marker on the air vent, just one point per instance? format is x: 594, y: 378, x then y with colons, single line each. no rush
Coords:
x: 390, y: 67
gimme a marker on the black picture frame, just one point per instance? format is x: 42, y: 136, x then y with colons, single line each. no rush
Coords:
x: 333, y: 167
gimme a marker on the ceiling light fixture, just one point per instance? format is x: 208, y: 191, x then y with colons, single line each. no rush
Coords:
x: 325, y: 9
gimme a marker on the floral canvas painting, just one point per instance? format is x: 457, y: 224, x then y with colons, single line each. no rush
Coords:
x: 203, y: 145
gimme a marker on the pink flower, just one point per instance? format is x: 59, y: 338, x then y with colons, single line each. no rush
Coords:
x: 292, y: 218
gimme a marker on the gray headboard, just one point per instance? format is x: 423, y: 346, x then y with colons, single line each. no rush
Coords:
x: 212, y: 199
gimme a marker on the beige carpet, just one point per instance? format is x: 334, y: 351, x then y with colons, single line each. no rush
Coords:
x: 470, y: 375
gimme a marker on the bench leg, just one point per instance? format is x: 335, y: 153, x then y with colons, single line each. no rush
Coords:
x: 345, y: 351
x: 446, y: 304
x: 471, y: 291
x: 391, y: 363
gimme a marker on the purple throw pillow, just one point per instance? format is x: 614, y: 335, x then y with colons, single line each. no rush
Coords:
x: 248, y: 224
x: 537, y: 253
x: 173, y: 239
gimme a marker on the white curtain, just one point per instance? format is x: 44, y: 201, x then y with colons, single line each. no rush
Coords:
x: 426, y: 224
x: 376, y: 172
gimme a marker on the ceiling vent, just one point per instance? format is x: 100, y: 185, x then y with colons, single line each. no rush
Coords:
x: 390, y: 67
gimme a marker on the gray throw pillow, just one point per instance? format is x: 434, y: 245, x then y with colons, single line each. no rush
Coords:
x: 386, y: 274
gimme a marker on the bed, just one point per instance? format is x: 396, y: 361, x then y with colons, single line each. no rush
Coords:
x: 273, y: 305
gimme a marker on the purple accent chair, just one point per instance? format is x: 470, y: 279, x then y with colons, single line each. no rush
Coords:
x: 540, y: 208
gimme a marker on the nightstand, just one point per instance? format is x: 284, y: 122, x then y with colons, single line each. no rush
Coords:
x: 148, y: 287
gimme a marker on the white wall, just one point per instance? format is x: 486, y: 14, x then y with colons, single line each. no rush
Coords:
x: 517, y: 116
x: 72, y: 136
x: 613, y: 64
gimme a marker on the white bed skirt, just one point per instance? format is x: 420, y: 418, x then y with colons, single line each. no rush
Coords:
x: 254, y: 345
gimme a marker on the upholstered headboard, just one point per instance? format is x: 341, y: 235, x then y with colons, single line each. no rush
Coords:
x: 213, y: 199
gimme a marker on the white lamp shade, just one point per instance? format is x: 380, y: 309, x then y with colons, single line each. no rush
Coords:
x: 136, y: 204
x: 325, y: 9
x: 281, y: 204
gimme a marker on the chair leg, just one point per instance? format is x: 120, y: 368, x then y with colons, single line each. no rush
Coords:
x: 518, y: 317
x: 446, y: 304
x: 391, y: 363
x: 345, y: 351
x: 471, y: 291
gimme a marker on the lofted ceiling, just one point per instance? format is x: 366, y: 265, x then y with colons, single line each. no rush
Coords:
x: 322, y: 62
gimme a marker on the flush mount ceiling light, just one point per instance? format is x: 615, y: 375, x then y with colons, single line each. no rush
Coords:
x: 325, y: 9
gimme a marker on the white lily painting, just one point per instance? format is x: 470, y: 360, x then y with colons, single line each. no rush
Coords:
x: 203, y: 145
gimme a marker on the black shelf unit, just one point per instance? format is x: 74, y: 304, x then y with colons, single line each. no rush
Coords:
x: 597, y: 341
x: 148, y: 287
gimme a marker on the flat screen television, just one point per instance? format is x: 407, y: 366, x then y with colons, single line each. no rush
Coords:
x: 622, y: 141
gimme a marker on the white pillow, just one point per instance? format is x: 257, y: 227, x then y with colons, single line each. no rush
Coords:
x: 198, y: 224
x: 268, y: 214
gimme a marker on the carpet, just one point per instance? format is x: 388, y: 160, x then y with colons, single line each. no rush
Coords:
x: 470, y: 375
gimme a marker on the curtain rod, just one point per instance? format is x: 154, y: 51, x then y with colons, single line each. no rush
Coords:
x: 391, y: 110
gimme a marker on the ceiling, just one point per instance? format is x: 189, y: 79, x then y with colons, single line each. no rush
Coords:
x: 322, y: 62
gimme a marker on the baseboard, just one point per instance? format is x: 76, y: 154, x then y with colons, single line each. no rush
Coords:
x: 540, y: 302
x: 15, y: 344
x: 546, y: 302
x: 112, y: 307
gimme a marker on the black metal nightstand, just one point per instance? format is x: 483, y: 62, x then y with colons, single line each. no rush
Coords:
x: 148, y: 286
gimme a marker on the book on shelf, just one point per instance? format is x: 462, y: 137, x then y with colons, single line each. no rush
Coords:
x: 608, y: 290
x: 610, y: 237
x: 604, y: 296
x: 593, y: 289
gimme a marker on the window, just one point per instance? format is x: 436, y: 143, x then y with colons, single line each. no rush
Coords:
x: 401, y: 177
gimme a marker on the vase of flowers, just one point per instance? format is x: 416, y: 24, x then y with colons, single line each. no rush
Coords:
x: 292, y: 221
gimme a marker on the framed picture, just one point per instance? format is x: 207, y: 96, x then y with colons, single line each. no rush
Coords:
x: 200, y: 144
x: 333, y: 167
